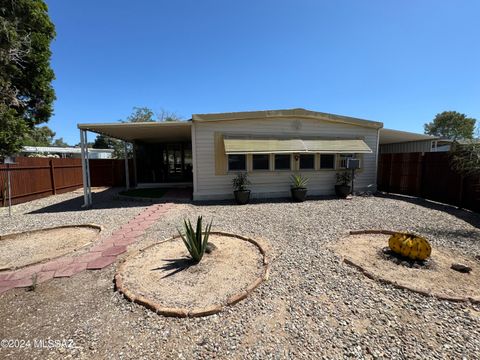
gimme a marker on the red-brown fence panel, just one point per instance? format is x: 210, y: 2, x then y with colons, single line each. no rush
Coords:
x: 428, y: 175
x: 33, y: 178
x: 110, y: 172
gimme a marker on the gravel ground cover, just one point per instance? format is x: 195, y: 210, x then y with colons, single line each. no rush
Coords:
x: 65, y: 209
x: 313, y: 306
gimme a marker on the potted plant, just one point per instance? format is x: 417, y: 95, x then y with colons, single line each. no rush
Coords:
x: 240, y: 191
x: 343, y: 185
x: 299, y: 187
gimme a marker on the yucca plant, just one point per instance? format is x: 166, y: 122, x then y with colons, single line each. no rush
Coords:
x: 299, y: 181
x: 195, y: 241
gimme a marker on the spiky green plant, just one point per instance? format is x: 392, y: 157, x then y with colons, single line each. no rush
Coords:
x: 195, y: 241
x: 299, y: 181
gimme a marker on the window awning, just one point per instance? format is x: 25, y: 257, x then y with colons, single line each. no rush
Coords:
x: 288, y: 146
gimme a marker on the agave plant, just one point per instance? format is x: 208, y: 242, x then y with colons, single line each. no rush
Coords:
x: 195, y: 241
x: 299, y: 181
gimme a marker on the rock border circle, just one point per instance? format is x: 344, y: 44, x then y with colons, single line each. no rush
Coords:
x: 8, y: 236
x: 196, y: 312
x: 372, y: 276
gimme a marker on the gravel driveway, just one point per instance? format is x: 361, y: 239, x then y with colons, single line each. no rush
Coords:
x: 313, y: 305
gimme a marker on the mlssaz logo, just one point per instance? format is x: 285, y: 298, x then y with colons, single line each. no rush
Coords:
x: 53, y: 343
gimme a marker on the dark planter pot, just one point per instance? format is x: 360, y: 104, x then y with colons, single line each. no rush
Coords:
x: 299, y: 194
x: 242, y: 197
x: 342, y: 191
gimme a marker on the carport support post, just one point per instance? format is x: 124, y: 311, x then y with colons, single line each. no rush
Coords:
x: 87, y: 193
x: 127, y: 173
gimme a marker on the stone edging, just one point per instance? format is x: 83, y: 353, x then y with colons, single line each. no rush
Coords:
x: 372, y: 276
x: 196, y: 312
x: 98, y: 256
x: 8, y: 236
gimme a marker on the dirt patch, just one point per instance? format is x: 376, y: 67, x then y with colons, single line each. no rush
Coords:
x: 31, y: 247
x: 163, y: 273
x: 364, y: 252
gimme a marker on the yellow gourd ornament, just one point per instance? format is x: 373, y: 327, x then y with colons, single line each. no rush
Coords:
x: 410, y: 246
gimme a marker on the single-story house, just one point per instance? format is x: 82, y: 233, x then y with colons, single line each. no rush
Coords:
x: 208, y: 150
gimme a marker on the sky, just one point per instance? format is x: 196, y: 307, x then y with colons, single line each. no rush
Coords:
x: 398, y: 62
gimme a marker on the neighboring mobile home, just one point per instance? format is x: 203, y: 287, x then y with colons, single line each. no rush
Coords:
x: 210, y: 149
x: 64, y: 152
x: 396, y: 141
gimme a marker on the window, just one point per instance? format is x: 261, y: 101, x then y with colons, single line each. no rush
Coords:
x: 282, y: 161
x: 327, y: 161
x: 307, y: 161
x: 260, y: 161
x: 343, y: 159
x: 237, y: 162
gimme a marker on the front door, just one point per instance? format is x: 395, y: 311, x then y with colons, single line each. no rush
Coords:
x: 174, y: 162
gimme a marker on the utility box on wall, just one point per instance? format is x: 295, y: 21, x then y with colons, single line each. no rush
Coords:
x: 353, y: 163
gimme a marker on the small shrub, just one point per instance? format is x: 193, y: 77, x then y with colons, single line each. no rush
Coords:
x: 344, y: 178
x: 195, y: 241
x: 299, y: 181
x: 240, y: 182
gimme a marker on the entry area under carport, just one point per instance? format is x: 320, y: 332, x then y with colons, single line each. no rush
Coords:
x: 161, y: 151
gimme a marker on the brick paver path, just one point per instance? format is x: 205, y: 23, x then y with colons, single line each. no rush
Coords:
x: 99, y: 256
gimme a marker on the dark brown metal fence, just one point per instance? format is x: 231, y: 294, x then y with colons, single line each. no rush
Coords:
x: 34, y: 178
x: 428, y: 175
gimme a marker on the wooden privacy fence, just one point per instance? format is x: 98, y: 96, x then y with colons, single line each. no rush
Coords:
x: 33, y: 178
x: 428, y: 175
x: 110, y: 172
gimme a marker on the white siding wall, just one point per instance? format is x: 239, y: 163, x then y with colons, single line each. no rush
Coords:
x: 276, y: 183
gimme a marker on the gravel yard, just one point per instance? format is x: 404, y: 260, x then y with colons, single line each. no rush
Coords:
x: 65, y: 209
x: 312, y: 306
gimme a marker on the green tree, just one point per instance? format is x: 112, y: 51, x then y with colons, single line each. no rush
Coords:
x: 59, y: 142
x: 465, y: 158
x: 145, y: 114
x: 451, y: 125
x: 140, y: 114
x: 165, y: 115
x: 26, y: 92
x: 105, y: 142
x: 39, y: 136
